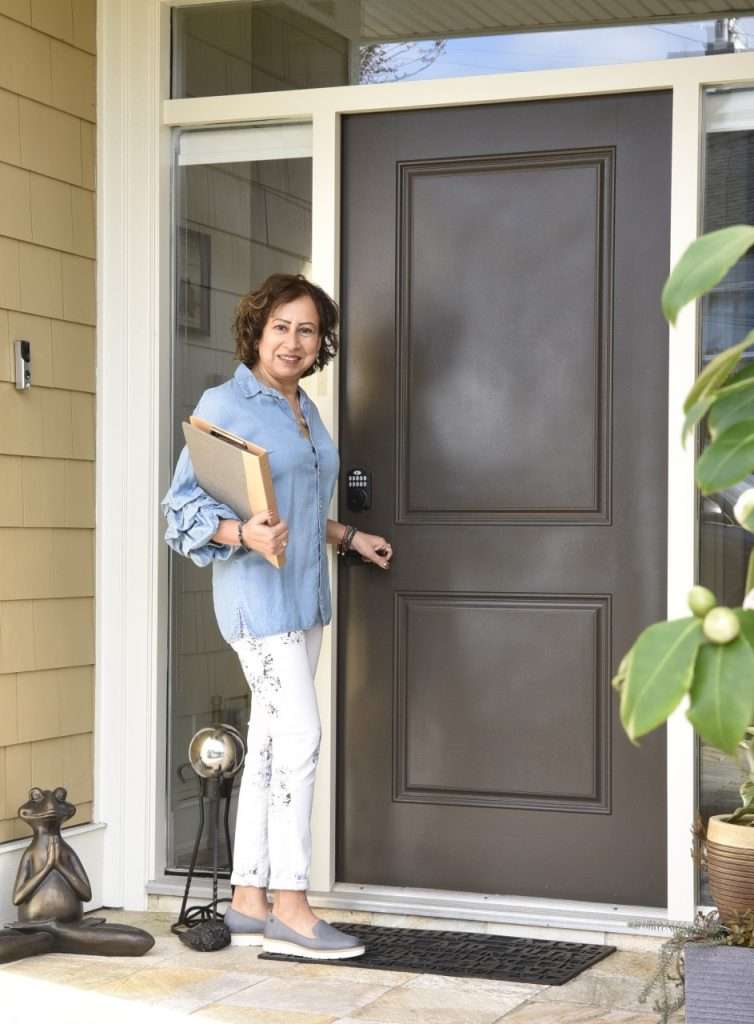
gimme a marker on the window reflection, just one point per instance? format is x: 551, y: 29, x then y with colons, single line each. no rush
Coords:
x: 236, y: 222
x: 248, y: 47
x: 727, y: 315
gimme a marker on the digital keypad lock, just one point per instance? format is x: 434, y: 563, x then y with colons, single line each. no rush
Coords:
x: 358, y: 490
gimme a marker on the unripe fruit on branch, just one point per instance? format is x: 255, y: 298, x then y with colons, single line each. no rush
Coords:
x: 744, y: 507
x: 721, y: 625
x: 701, y: 600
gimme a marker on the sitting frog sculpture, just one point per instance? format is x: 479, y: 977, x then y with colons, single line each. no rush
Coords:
x: 51, y: 889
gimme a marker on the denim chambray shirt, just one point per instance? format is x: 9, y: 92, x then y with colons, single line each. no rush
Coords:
x: 250, y: 595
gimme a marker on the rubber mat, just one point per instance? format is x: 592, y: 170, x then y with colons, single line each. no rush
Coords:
x: 464, y: 954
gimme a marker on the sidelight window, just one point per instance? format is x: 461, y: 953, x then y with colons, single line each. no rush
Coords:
x: 242, y: 210
x: 727, y: 315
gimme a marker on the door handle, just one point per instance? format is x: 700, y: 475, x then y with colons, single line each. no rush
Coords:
x: 353, y: 558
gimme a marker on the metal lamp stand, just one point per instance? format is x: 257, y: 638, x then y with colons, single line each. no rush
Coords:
x: 215, y: 790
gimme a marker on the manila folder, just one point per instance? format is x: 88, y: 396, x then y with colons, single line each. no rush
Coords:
x: 233, y: 471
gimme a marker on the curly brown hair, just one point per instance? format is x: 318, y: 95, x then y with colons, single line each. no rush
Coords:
x: 256, y: 306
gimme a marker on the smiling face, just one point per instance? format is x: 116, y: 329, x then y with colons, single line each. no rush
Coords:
x: 290, y: 341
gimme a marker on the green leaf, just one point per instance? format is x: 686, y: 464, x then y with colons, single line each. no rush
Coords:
x: 706, y: 262
x: 716, y: 372
x: 731, y: 405
x: 742, y: 375
x: 722, y: 693
x: 621, y: 675
x: 659, y: 673
x: 728, y: 459
x: 747, y: 802
x: 746, y: 618
x: 695, y: 413
x: 749, y: 582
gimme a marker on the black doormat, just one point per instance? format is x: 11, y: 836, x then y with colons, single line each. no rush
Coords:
x: 464, y: 954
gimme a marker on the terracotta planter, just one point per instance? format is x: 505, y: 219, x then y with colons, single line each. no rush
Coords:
x: 730, y: 862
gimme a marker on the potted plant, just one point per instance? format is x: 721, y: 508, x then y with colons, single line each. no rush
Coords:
x: 707, y: 658
x: 707, y: 966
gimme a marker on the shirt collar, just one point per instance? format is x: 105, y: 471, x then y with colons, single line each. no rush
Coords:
x: 250, y: 385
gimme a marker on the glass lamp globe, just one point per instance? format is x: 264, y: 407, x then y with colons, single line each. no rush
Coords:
x: 216, y: 750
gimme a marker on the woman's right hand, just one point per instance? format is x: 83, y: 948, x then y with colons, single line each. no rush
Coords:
x: 267, y: 540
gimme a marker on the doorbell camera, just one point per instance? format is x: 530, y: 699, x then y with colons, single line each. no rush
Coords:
x: 22, y: 353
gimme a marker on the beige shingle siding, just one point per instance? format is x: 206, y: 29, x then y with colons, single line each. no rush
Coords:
x: 47, y: 435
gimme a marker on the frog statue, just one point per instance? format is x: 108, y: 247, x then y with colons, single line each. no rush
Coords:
x: 51, y: 888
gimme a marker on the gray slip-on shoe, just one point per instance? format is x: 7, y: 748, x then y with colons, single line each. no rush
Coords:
x: 244, y: 930
x: 328, y: 943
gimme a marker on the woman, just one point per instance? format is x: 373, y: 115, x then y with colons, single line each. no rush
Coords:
x: 273, y: 618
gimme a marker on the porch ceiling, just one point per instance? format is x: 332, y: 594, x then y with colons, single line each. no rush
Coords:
x: 393, y: 20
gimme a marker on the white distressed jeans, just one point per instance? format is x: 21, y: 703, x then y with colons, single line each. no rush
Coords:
x: 272, y: 845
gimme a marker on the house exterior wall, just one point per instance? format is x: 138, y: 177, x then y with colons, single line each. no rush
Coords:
x: 47, y: 434
x: 134, y: 429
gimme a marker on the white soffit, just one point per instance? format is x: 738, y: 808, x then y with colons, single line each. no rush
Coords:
x: 238, y: 145
x: 392, y: 20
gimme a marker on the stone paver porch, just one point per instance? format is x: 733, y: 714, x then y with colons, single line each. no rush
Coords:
x: 172, y: 983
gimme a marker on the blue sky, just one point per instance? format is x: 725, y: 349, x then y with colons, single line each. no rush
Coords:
x: 537, y: 50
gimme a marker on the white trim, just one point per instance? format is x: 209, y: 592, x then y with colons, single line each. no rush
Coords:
x: 497, y: 88
x: 682, y: 539
x: 86, y: 840
x: 110, y: 690
x: 194, y: 3
x: 326, y: 272
x: 131, y: 617
x: 154, y: 795
x: 133, y: 400
x: 233, y: 145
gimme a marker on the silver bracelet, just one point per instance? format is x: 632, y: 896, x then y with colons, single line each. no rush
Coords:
x: 344, y: 544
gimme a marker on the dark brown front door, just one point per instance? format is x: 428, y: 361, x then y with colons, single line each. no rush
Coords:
x: 504, y: 379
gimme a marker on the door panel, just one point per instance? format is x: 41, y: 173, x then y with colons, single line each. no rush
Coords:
x: 514, y: 279
x: 504, y: 377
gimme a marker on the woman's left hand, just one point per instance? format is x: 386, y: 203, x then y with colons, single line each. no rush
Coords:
x: 372, y: 548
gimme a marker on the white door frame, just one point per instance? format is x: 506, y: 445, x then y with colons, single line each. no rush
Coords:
x: 135, y: 120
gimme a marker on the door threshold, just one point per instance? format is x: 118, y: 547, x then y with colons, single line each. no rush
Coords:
x: 493, y: 909
x: 628, y: 927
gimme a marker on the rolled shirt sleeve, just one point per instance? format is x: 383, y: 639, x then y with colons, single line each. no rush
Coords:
x: 250, y: 595
x: 193, y: 516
